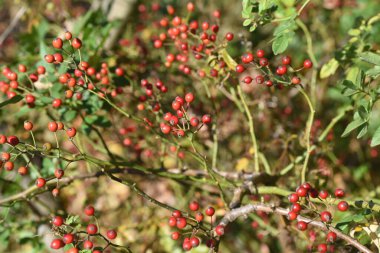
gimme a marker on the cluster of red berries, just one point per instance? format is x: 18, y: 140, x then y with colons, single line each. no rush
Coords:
x: 304, y: 195
x: 180, y: 122
x: 68, y: 235
x: 192, y: 40
x: 180, y: 222
x: 269, y: 76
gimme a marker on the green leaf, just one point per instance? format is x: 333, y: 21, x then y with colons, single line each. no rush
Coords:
x: 352, y: 126
x: 329, y: 68
x: 373, y: 72
x: 71, y: 219
x: 370, y: 57
x: 349, y: 84
x: 376, y: 138
x: 280, y: 44
x: 69, y: 115
x: 82, y: 22
x: 247, y: 22
x: 285, y: 27
x: 13, y: 100
x: 231, y: 63
x: 363, y: 130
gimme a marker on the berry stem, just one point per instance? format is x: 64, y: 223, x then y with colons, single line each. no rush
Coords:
x: 251, y: 129
x: 309, y: 124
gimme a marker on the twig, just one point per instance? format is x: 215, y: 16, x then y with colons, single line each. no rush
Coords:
x: 309, y: 124
x: 251, y: 130
x: 12, y: 25
x: 244, y: 210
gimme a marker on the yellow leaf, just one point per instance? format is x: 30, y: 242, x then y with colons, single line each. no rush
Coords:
x: 242, y: 164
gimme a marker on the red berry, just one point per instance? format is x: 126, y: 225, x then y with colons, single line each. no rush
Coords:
x: 263, y: 62
x: 177, y: 214
x: 301, y: 225
x: 68, y: 35
x: 286, y: 60
x: 68, y: 238
x: 296, y: 208
x: 5, y: 156
x: 322, y: 248
x: 187, y: 245
x: 92, y: 229
x: 281, y: 70
x: 57, y: 43
x: 58, y: 173
x: 194, y: 121
x: 326, y: 216
x: 53, y: 126
x: 292, y: 215
x: 229, y: 36
x: 331, y: 237
x: 56, y: 244
x: 8, y: 165
x: 23, y: 170
x: 13, y: 140
x: 189, y: 97
x: 176, y: 105
x: 57, y: 221
x: 175, y: 236
x: 89, y: 210
x: 210, y: 211
x: 165, y: 128
x: 40, y: 182
x: 307, y: 64
x: 219, y: 230
x: 260, y: 53
x: 49, y: 58
x: 88, y: 244
x: 76, y: 43
x: 339, y: 193
x: 75, y: 250
x: 3, y: 139
x: 55, y: 192
x: 240, y: 68
x: 194, y: 206
x: 293, y: 198
x: 119, y: 71
x: 301, y: 191
x: 157, y: 43
x: 343, y: 206
x: 199, y: 216
x: 194, y: 242
x: 247, y: 80
x: 57, y: 103
x: 172, y: 221
x: 247, y: 58
x: 71, y: 132
x: 111, y: 234
x: 206, y: 119
x: 323, y: 194
x: 296, y: 80
x: 181, y: 223
x: 58, y: 57
x: 28, y: 126
x: 60, y: 125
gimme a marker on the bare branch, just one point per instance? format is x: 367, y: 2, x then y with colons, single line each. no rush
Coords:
x: 244, y: 210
